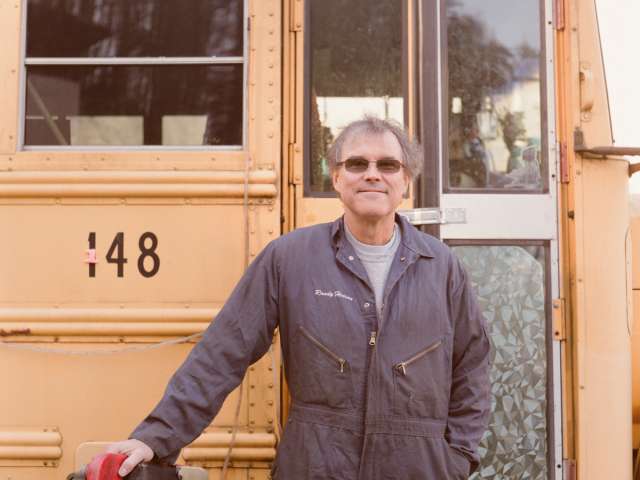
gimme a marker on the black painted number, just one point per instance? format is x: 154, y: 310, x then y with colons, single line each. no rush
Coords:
x: 148, y: 252
x: 118, y: 244
x: 148, y: 244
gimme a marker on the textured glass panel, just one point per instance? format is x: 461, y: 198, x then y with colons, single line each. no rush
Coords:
x: 134, y: 28
x: 495, y: 121
x: 510, y: 281
x: 356, y: 68
x: 134, y: 105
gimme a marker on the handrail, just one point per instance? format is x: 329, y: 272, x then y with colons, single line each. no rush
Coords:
x: 609, y: 150
x: 633, y: 168
x: 602, y: 153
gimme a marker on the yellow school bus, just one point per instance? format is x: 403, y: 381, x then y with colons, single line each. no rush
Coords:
x: 149, y: 149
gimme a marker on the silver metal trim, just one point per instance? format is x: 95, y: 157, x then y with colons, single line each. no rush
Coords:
x: 132, y: 60
x: 439, y: 50
x: 245, y: 74
x: 22, y: 88
x: 453, y: 215
x: 556, y: 347
x: 437, y: 216
x: 554, y: 173
x: 133, y: 148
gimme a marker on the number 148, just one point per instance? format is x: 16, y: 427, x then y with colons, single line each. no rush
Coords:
x: 115, y: 254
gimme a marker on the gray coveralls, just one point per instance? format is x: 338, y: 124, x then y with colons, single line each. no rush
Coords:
x: 405, y: 396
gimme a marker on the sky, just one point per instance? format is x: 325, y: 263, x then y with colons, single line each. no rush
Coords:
x: 620, y: 37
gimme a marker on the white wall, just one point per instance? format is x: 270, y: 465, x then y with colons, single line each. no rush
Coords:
x: 620, y: 37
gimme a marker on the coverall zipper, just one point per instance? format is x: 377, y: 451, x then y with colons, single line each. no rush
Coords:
x: 373, y: 339
x: 341, y: 361
x: 402, y: 366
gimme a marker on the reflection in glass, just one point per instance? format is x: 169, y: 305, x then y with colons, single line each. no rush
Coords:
x: 134, y: 105
x: 494, y: 68
x: 510, y: 281
x: 134, y: 28
x: 356, y: 68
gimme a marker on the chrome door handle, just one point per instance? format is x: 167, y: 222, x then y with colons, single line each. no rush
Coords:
x: 438, y: 216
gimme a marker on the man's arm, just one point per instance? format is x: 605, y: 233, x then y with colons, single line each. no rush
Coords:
x: 241, y: 334
x: 470, y: 400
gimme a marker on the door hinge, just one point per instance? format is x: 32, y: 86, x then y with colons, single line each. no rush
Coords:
x: 297, y: 17
x: 295, y: 164
x: 564, y: 162
x: 569, y: 469
x: 559, y: 321
x: 559, y: 15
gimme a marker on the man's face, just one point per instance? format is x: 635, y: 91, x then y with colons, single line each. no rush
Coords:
x: 371, y: 195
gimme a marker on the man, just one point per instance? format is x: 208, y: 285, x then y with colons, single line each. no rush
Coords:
x: 384, y: 347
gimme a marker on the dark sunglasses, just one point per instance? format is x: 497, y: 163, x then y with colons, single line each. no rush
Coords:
x: 361, y: 165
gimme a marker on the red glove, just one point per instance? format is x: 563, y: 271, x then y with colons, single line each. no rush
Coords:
x: 105, y: 466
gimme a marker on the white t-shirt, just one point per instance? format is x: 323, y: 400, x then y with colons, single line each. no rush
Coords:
x: 377, y: 261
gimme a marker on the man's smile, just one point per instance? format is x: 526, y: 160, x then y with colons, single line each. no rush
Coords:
x: 371, y: 190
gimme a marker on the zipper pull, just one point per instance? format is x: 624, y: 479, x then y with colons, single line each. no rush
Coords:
x: 402, y: 367
x: 342, y: 362
x: 372, y: 339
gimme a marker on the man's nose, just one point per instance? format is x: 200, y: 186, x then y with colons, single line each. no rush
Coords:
x: 372, y: 171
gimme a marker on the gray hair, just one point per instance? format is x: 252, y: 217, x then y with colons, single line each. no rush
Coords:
x: 411, y: 150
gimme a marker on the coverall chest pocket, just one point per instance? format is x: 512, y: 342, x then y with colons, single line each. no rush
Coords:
x: 323, y: 376
x: 421, y: 383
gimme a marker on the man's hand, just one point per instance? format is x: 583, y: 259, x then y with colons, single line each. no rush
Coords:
x: 136, y: 450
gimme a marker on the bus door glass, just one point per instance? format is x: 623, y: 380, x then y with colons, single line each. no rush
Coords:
x: 354, y: 63
x: 498, y: 182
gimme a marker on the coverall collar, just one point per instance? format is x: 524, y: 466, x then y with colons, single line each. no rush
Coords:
x: 410, y: 236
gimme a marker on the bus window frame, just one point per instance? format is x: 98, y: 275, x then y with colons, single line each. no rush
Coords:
x: 25, y: 62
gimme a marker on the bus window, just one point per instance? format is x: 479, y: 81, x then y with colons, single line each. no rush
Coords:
x: 134, y: 72
x: 344, y: 80
x: 495, y: 122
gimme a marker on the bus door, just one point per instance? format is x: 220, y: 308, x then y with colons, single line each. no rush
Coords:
x: 474, y: 81
x: 493, y: 91
x: 340, y: 71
